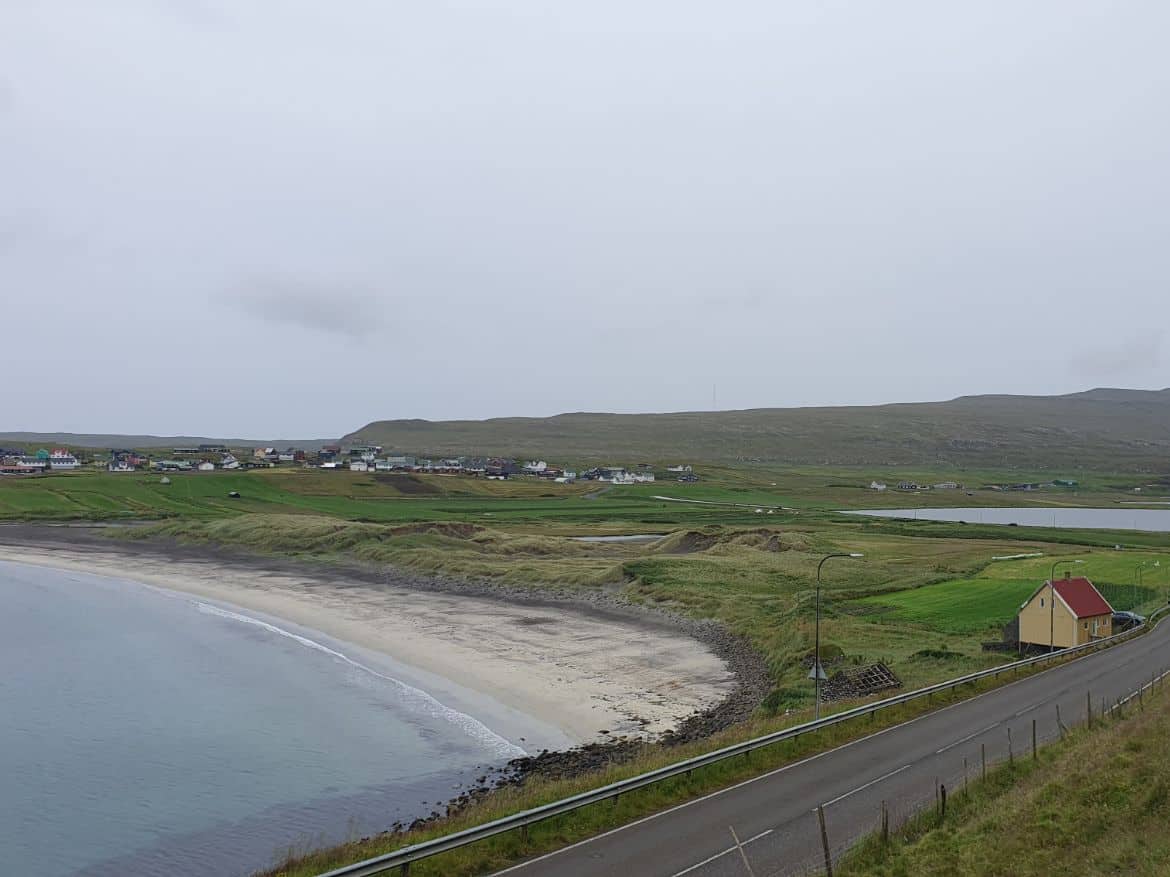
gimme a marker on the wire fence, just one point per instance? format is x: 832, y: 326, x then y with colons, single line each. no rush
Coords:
x: 954, y: 776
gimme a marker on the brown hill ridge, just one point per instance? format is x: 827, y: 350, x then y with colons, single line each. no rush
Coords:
x: 1099, y: 429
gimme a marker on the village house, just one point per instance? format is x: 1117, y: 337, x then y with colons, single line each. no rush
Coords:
x: 877, y: 485
x: 357, y: 464
x: 1064, y: 613
x: 206, y: 466
x: 947, y: 485
x: 910, y: 485
x: 679, y: 469
x: 60, y: 458
x: 14, y: 461
x: 32, y: 464
x: 124, y: 460
x: 366, y: 453
x: 172, y: 465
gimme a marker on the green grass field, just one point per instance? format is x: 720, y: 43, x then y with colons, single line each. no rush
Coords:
x: 992, y: 597
x: 956, y: 606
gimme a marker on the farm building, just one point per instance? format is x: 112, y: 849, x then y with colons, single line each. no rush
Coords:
x: 1066, y: 612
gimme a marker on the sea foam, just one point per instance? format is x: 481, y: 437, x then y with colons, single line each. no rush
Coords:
x: 412, y: 698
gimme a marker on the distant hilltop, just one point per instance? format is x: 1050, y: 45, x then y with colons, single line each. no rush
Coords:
x: 98, y: 440
x: 1101, y: 429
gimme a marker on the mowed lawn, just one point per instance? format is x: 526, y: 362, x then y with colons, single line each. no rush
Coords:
x: 957, y: 606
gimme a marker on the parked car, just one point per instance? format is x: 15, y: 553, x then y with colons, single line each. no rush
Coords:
x: 1126, y: 620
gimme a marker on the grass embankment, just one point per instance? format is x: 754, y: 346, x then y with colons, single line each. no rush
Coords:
x: 1096, y: 804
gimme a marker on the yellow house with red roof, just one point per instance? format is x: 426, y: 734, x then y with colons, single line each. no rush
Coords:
x: 1065, y: 612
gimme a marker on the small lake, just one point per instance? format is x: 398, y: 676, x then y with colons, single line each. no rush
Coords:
x: 634, y: 537
x: 1146, y: 520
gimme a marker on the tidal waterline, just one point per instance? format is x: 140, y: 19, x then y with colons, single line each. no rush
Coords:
x: 150, y: 733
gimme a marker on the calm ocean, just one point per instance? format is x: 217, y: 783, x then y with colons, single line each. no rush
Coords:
x: 148, y: 733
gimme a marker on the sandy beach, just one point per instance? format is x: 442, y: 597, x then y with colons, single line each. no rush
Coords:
x: 579, y: 672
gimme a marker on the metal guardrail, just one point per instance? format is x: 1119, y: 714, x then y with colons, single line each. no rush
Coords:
x: 402, y: 858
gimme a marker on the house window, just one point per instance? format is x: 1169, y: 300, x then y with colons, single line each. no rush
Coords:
x: 1086, y: 625
x: 1041, y: 602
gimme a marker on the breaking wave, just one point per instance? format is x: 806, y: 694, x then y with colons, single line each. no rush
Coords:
x: 413, y: 698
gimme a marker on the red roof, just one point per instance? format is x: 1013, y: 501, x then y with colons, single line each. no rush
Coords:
x: 1082, y: 597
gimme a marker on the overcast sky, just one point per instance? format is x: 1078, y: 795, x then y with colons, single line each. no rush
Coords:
x: 291, y: 218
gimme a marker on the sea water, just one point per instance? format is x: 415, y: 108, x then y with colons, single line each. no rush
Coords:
x: 146, y: 732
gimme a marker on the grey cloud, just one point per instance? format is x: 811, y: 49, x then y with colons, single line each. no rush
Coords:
x: 516, y: 209
x: 318, y: 307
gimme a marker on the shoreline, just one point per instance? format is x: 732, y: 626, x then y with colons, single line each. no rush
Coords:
x: 573, y: 673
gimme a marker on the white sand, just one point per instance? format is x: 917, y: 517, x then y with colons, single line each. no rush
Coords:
x: 569, y: 670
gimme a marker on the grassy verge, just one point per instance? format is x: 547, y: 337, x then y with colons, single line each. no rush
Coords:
x: 1094, y: 804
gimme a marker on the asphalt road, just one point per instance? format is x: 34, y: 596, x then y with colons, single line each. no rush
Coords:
x: 774, y: 815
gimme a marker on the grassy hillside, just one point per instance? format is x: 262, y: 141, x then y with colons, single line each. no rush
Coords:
x: 1095, y: 805
x: 1098, y: 429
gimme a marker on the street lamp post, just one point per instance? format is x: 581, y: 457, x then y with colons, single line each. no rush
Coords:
x: 1052, y: 603
x: 817, y: 671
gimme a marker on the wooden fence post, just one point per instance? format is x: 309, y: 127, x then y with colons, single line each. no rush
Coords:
x: 1089, y: 708
x: 885, y: 824
x: 983, y: 757
x: 964, y: 773
x: 1011, y: 755
x: 942, y: 807
x: 825, y: 841
x: 1035, y: 754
